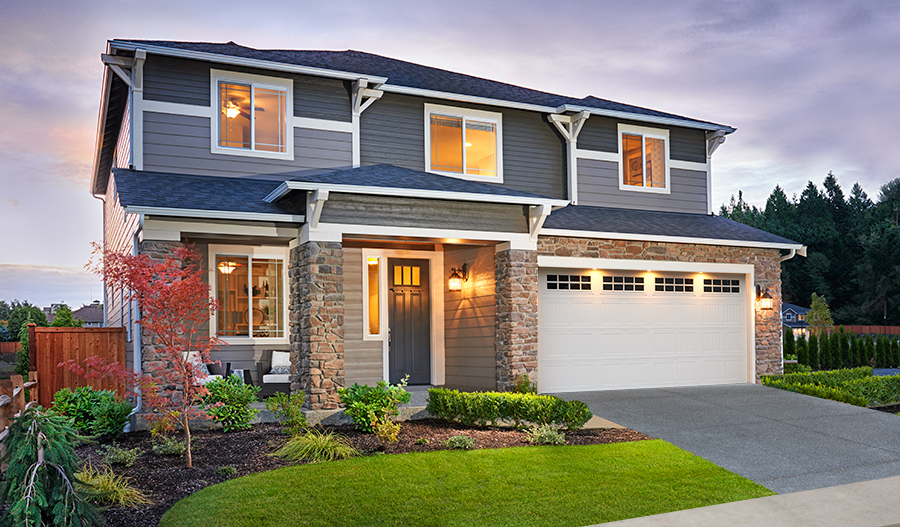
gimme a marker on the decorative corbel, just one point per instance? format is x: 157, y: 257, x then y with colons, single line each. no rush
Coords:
x: 713, y: 140
x: 363, y: 96
x: 536, y: 216
x: 314, y: 202
x: 569, y: 125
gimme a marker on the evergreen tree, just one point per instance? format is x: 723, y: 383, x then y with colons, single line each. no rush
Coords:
x: 789, y: 343
x: 826, y: 358
x: 63, y: 318
x: 855, y: 355
x: 870, y: 350
x: 802, y: 353
x: 844, y: 346
x: 813, y: 350
x: 880, y: 355
x: 895, y: 353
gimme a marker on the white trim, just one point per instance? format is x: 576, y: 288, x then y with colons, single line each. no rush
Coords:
x: 137, y: 110
x: 175, y: 108
x: 495, y: 118
x: 322, y: 124
x: 666, y: 239
x: 381, y: 335
x: 569, y: 127
x: 315, y: 201
x: 287, y: 186
x: 436, y: 285
x: 250, y: 251
x: 612, y: 157
x: 166, y: 229
x: 709, y: 192
x: 255, y: 81
x: 215, y: 214
x: 354, y: 142
x: 687, y: 165
x: 644, y: 132
x: 334, y: 232
x: 240, y: 61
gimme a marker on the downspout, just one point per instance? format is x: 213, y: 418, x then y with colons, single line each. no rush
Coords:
x: 136, y: 337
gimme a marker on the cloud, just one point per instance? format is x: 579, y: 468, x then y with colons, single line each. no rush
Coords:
x: 43, y: 284
x: 12, y: 202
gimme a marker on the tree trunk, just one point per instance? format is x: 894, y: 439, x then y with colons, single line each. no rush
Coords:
x: 187, y: 442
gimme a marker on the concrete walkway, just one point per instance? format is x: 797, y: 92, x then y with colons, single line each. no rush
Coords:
x: 784, y: 441
x: 866, y: 504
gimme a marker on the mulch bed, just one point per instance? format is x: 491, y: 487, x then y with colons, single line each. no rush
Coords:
x: 165, y: 479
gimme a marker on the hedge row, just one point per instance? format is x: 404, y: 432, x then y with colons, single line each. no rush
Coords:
x: 828, y: 351
x: 483, y: 408
x: 855, y: 386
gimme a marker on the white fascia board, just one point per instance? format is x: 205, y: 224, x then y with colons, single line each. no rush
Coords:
x: 336, y: 232
x: 101, y: 122
x: 241, y: 61
x: 616, y: 114
x: 667, y: 239
x: 214, y: 214
x: 575, y: 262
x: 287, y: 186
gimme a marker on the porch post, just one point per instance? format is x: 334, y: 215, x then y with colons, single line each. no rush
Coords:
x: 517, y: 316
x: 317, y: 322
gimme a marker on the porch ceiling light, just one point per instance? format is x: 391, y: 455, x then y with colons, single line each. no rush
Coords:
x: 232, y: 110
x: 227, y: 267
x: 763, y: 298
x: 457, y: 277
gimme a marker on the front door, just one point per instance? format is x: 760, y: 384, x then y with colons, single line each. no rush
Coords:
x: 409, y: 321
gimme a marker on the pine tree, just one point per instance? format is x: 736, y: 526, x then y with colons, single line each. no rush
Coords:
x: 855, y: 357
x: 825, y: 359
x: 813, y: 350
x: 870, y: 350
x: 880, y: 354
x: 844, y: 343
x: 802, y: 352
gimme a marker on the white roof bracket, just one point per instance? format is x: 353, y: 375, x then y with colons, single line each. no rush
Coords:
x: 713, y: 140
x: 363, y: 96
x: 314, y: 202
x: 569, y: 125
x: 536, y: 216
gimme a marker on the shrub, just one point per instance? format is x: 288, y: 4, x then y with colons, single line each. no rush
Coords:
x: 876, y: 390
x: 492, y: 407
x: 39, y: 485
x: 797, y: 368
x: 546, y: 435
x: 386, y: 429
x: 116, y: 455
x: 104, y: 486
x: 855, y: 386
x: 168, y: 446
x: 802, y: 352
x: 227, y: 471
x: 164, y: 425
x: 420, y: 441
x: 288, y: 408
x: 880, y: 351
x: 825, y: 355
x: 229, y: 402
x: 93, y: 412
x: 524, y: 385
x: 813, y: 350
x: 844, y: 346
x: 382, y: 401
x: 460, y: 442
x: 313, y: 445
x: 790, y: 345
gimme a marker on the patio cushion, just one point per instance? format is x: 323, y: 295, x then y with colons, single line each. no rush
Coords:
x: 281, y: 358
x: 277, y: 378
x: 280, y: 370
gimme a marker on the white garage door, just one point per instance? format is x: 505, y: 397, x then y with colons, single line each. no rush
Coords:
x: 607, y: 330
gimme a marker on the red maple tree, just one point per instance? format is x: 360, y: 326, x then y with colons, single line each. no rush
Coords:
x: 175, y: 309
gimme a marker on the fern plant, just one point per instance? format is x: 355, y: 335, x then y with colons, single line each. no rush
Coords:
x: 39, y: 484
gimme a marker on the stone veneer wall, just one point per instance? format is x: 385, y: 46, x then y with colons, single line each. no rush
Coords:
x: 317, y: 322
x: 517, y: 316
x: 765, y: 262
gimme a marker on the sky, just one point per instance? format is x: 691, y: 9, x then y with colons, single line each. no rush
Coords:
x: 811, y: 87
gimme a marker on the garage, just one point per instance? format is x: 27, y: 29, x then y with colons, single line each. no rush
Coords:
x: 607, y: 329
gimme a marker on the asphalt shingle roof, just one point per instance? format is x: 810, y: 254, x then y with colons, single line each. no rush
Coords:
x: 653, y: 223
x: 180, y: 191
x: 408, y: 74
x: 390, y: 176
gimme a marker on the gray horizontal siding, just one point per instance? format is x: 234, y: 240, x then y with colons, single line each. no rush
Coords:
x: 598, y: 185
x: 186, y: 81
x: 601, y: 134
x: 363, y: 359
x: 181, y: 144
x: 423, y: 213
x: 392, y: 131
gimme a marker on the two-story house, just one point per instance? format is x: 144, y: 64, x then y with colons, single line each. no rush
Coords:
x: 379, y: 218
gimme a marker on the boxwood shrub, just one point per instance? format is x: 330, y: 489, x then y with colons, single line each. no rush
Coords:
x: 483, y: 408
x: 857, y: 386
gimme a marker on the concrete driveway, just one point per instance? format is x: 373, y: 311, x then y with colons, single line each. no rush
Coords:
x: 785, y: 441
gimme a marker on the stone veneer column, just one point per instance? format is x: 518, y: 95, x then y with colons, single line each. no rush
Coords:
x: 517, y: 316
x: 768, y: 321
x: 317, y: 322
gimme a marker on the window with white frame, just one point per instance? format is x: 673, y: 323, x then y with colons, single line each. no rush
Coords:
x: 645, y: 159
x: 250, y: 287
x: 463, y: 143
x: 252, y: 115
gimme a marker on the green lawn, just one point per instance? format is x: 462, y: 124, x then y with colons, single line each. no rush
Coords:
x: 540, y: 486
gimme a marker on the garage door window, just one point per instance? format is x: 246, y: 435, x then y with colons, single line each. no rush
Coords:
x: 675, y: 285
x: 623, y: 283
x: 569, y: 282
x: 721, y: 286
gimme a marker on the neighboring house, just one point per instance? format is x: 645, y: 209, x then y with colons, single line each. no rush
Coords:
x: 379, y: 218
x: 794, y: 317
x: 92, y: 315
x: 50, y: 312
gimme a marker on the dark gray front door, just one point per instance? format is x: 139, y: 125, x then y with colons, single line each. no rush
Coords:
x: 409, y: 321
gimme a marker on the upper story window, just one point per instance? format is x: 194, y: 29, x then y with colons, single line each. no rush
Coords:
x: 645, y: 159
x: 252, y: 115
x: 250, y: 285
x: 463, y: 143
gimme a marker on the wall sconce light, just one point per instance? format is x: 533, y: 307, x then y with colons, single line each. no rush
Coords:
x: 763, y: 298
x: 457, y: 277
x: 227, y: 267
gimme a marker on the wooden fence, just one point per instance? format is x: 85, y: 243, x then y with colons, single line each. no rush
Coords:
x: 873, y: 330
x: 50, y: 346
x: 12, y: 402
x: 8, y: 347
